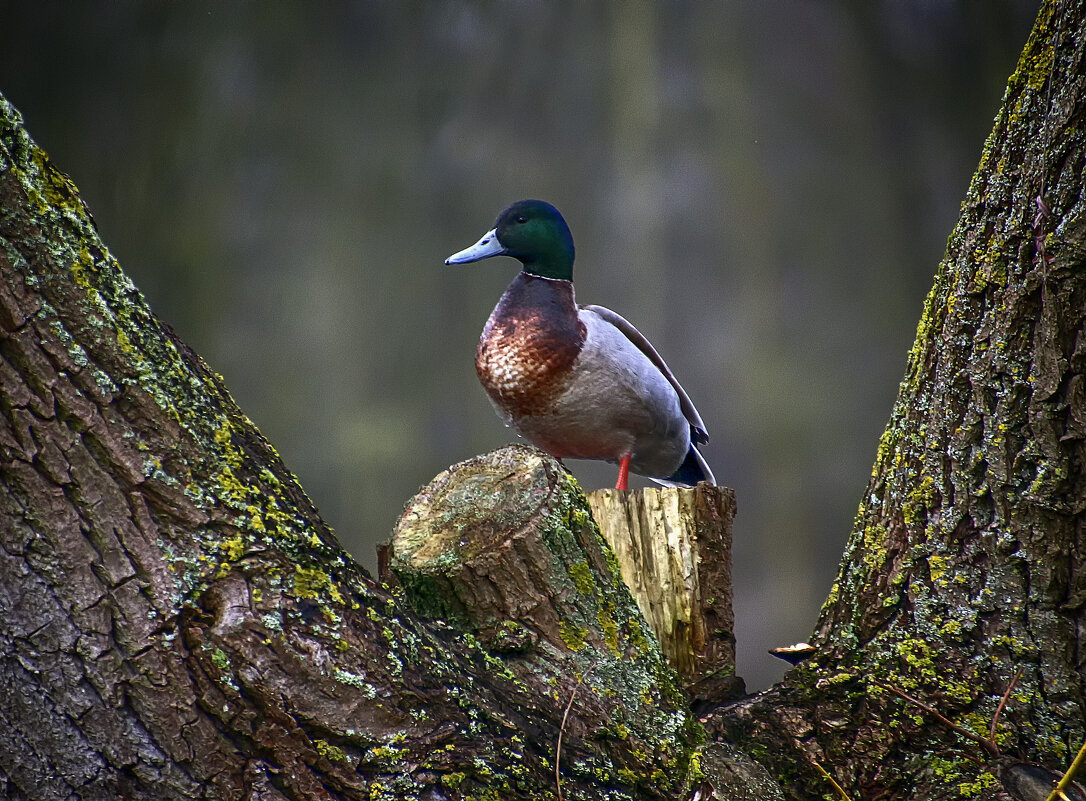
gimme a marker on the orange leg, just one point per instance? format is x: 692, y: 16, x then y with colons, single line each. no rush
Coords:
x: 623, y: 472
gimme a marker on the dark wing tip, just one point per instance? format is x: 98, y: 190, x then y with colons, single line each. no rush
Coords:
x: 692, y: 471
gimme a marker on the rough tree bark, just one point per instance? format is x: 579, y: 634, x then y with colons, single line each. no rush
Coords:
x: 965, y: 565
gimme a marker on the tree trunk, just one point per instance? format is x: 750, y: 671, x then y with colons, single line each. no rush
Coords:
x: 965, y: 565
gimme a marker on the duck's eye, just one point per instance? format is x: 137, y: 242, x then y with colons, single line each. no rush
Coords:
x: 522, y: 219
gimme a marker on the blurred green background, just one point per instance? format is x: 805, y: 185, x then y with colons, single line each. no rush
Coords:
x: 764, y: 189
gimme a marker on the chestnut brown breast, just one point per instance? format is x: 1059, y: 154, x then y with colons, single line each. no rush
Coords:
x: 529, y: 345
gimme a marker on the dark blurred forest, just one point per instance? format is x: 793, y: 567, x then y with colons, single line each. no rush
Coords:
x: 764, y: 189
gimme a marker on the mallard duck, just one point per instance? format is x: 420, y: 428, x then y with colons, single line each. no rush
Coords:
x: 579, y: 382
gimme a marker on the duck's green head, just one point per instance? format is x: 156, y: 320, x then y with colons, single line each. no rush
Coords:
x: 532, y: 232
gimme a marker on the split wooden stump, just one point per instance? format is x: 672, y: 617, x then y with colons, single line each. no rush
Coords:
x: 674, y: 549
x: 496, y: 546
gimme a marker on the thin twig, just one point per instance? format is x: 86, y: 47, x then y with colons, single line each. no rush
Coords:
x: 986, y: 744
x: 562, y: 730
x: 957, y: 753
x: 1002, y: 704
x: 1068, y: 777
x: 826, y: 775
x: 558, y: 748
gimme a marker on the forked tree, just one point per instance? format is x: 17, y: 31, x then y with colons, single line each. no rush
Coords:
x: 177, y: 622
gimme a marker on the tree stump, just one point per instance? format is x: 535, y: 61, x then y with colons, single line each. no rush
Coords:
x: 673, y: 548
x: 501, y: 549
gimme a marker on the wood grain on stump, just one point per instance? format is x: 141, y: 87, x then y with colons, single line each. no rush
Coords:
x: 674, y: 550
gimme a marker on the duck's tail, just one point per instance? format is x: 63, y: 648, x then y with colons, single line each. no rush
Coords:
x: 693, y: 470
